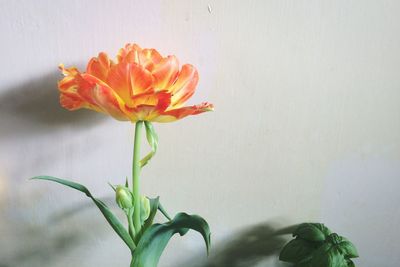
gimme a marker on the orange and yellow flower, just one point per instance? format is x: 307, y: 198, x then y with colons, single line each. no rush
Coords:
x: 140, y: 86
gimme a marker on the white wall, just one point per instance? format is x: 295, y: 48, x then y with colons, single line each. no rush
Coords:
x: 306, y: 126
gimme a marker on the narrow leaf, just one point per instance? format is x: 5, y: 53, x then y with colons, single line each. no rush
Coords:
x: 164, y: 212
x: 112, y: 187
x: 110, y: 217
x: 156, y: 238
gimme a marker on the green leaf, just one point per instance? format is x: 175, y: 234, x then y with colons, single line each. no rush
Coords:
x: 350, y: 263
x: 304, y: 264
x: 348, y: 249
x: 152, y: 139
x: 156, y: 238
x: 297, y: 250
x: 316, y: 232
x: 164, y: 212
x: 112, y: 187
x: 110, y: 217
x: 328, y: 255
x: 154, y: 203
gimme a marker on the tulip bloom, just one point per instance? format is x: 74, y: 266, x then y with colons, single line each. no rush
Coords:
x: 140, y: 86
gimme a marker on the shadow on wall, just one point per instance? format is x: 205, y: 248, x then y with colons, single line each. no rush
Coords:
x: 27, y: 244
x: 57, y: 236
x: 27, y: 252
x: 258, y: 245
x: 249, y: 248
x: 33, y: 106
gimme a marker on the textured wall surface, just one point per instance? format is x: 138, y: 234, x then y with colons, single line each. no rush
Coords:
x: 306, y: 128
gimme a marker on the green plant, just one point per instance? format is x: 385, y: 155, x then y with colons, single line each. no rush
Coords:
x: 142, y: 87
x: 315, y: 245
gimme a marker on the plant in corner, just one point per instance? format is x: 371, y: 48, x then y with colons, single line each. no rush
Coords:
x: 140, y: 87
x: 316, y: 246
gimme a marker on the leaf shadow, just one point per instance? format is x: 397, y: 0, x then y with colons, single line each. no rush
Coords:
x: 60, y: 237
x: 25, y: 238
x: 252, y: 246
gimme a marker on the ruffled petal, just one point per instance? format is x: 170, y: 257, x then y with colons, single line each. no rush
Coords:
x: 119, y: 80
x: 161, y: 100
x: 68, y: 71
x: 151, y: 105
x: 107, y: 100
x: 177, y: 114
x: 99, y: 66
x: 148, y: 58
x: 75, y: 92
x: 165, y: 72
x: 132, y: 53
x: 129, y: 53
x: 141, y: 80
x: 141, y: 85
x: 71, y: 101
x: 184, y: 87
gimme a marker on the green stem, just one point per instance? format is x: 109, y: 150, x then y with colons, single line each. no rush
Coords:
x: 135, y: 176
x: 130, y: 224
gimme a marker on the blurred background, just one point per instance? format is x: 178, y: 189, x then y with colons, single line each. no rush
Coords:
x: 306, y: 127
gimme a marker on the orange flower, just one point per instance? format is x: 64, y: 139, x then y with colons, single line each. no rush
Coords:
x: 140, y: 85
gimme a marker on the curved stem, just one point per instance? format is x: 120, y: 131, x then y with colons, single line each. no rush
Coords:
x: 135, y: 176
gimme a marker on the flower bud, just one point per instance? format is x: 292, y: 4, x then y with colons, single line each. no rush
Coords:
x: 123, y: 197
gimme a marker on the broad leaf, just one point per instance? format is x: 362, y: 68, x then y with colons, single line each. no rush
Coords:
x: 348, y: 249
x: 110, y: 217
x: 304, y: 264
x: 297, y: 250
x: 350, y: 263
x: 328, y: 255
x: 316, y: 232
x: 156, y: 238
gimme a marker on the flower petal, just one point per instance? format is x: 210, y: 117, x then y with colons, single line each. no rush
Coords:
x: 160, y: 100
x: 129, y: 53
x: 141, y: 85
x: 150, y: 105
x: 177, y: 114
x: 165, y: 72
x: 71, y: 101
x: 119, y: 80
x: 99, y: 66
x: 141, y: 79
x: 68, y: 71
x: 184, y: 87
x: 106, y: 99
x: 75, y: 92
x: 149, y: 58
